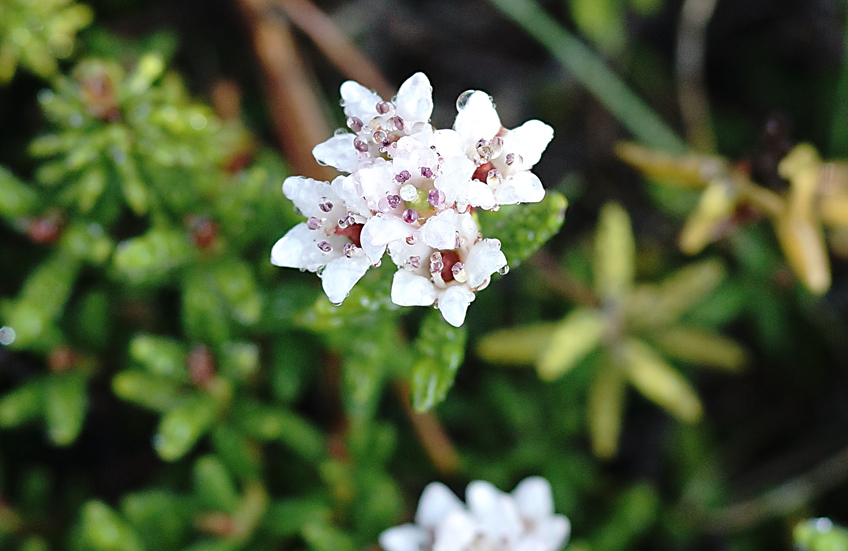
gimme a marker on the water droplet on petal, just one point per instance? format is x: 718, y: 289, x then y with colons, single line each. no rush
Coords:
x: 408, y: 192
x: 503, y: 270
x: 462, y: 100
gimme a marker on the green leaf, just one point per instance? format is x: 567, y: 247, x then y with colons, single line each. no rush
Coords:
x: 606, y: 408
x: 104, y: 530
x: 160, y: 518
x: 235, y: 281
x: 326, y: 537
x: 66, y: 401
x: 182, y: 426
x: 149, y: 258
x: 205, y: 315
x: 820, y: 534
x: 17, y: 200
x: 286, y: 518
x: 148, y: 390
x: 86, y: 242
x: 615, y: 254
x: 635, y: 512
x: 659, y: 382
x: 242, y: 455
x: 23, y: 403
x: 213, y: 485
x: 160, y: 355
x: 239, y: 361
x: 523, y: 229
x: 700, y: 347
x: 572, y: 340
x: 440, y: 349
x: 516, y: 345
x: 272, y: 423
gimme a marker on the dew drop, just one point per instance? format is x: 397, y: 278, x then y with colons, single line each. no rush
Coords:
x: 503, y: 270
x: 408, y: 192
x: 7, y: 335
x: 380, y: 137
x: 339, y: 132
x: 354, y: 123
x: 360, y: 145
x: 462, y: 100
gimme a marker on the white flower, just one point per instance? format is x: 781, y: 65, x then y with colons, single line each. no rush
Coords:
x: 411, y: 189
x: 505, y: 156
x: 445, y: 263
x: 492, y: 521
x: 328, y: 242
x: 376, y: 123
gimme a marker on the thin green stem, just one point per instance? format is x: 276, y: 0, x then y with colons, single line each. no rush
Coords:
x: 839, y: 126
x: 588, y: 68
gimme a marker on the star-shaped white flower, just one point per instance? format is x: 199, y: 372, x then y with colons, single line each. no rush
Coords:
x: 376, y: 123
x: 328, y: 242
x: 506, y: 156
x: 493, y: 520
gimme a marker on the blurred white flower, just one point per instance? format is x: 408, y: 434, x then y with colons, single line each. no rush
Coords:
x: 492, y: 520
x: 411, y: 189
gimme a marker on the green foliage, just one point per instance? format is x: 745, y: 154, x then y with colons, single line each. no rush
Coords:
x: 34, y: 34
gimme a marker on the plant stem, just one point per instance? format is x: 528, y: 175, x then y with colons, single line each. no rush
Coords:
x: 588, y: 68
x: 689, y: 68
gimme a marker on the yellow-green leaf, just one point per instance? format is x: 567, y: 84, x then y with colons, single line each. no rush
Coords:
x: 516, y: 346
x: 715, y: 207
x: 700, y: 347
x: 606, y: 404
x: 686, y: 171
x: 659, y: 382
x: 803, y: 245
x: 615, y: 254
x: 572, y: 340
x: 65, y: 404
x: 657, y: 305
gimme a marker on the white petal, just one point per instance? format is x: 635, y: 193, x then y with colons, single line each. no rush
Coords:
x: 550, y: 534
x: 453, y: 304
x: 338, y: 152
x: 495, y: 510
x: 410, y: 289
x: 484, y: 259
x: 299, y: 249
x: 358, y: 101
x: 477, y: 120
x: 455, y: 174
x: 376, y: 181
x: 340, y: 275
x: 534, y: 498
x: 307, y: 194
x: 440, y: 231
x: 437, y: 502
x: 478, y: 194
x: 529, y: 141
x: 448, y: 143
x: 345, y: 188
x: 414, y: 100
x: 406, y: 537
x: 524, y: 187
x: 413, y: 152
x: 382, y: 229
x: 455, y: 532
x: 401, y: 251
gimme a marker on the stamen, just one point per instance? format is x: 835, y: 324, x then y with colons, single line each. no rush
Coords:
x: 436, y: 197
x: 384, y: 107
x: 325, y: 247
x: 410, y: 216
x: 355, y: 124
x: 349, y: 249
x: 403, y: 176
x: 360, y: 145
x: 426, y: 171
x: 325, y: 205
x: 393, y: 200
x: 313, y: 223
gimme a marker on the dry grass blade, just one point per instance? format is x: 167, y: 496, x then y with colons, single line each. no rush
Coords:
x: 297, y: 114
x: 339, y: 49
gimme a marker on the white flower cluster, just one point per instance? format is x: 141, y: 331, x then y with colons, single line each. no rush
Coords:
x: 493, y: 521
x: 411, y: 189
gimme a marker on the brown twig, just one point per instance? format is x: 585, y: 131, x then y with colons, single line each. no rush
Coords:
x: 786, y: 498
x: 339, y: 49
x: 692, y: 97
x: 298, y: 117
x: 561, y: 281
x: 430, y: 433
